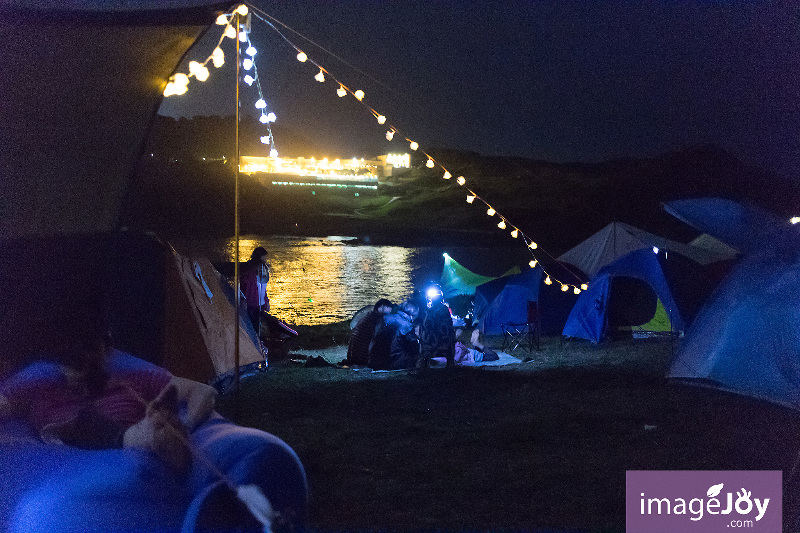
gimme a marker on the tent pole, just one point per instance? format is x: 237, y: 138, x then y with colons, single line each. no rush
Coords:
x: 236, y: 216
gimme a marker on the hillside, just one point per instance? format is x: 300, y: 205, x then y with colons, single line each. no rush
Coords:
x: 557, y: 204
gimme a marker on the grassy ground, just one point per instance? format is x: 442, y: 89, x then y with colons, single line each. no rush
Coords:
x: 539, y: 445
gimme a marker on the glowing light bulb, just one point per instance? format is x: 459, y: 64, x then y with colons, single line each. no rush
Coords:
x: 242, y: 37
x: 180, y: 79
x: 249, y: 79
x: 576, y: 290
x: 584, y: 286
x: 447, y: 176
x: 413, y: 145
x: 359, y: 94
x: 502, y: 224
x: 515, y: 233
x: 341, y: 91
x: 198, y: 70
x: 320, y: 77
x: 261, y: 104
x: 564, y: 288
x: 389, y: 135
x: 251, y: 50
x: 533, y: 263
x: 533, y: 245
x: 794, y: 220
x: 491, y: 212
x: 655, y: 249
x: 242, y: 10
x: 470, y: 198
x: 273, y: 153
x: 222, y: 20
x: 271, y: 117
x: 218, y: 57
x: 230, y: 32
x: 381, y: 119
x: 548, y: 281
x: 302, y: 57
x: 263, y: 119
x: 429, y: 163
x: 247, y: 64
x: 461, y: 180
x: 265, y: 139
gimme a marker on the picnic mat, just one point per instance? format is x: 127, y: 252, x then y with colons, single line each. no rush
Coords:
x: 336, y: 354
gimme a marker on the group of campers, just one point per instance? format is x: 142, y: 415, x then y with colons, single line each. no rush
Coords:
x: 418, y: 333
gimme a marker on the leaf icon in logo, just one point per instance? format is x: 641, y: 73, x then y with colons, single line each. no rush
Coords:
x: 715, y: 490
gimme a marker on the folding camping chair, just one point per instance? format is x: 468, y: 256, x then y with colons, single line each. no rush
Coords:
x: 524, y: 334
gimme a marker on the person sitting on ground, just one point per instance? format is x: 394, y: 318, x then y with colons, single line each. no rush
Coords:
x: 88, y: 395
x: 395, y: 345
x: 253, y: 281
x: 436, y: 332
x: 364, y: 331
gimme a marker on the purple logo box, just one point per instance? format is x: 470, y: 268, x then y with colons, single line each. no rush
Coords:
x: 677, y: 501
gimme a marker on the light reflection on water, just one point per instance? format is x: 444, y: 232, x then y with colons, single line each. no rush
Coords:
x: 324, y: 280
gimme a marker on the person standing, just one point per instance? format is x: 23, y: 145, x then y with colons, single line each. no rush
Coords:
x: 253, y: 283
x: 436, y: 333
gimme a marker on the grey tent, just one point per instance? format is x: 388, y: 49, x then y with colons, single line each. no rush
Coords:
x: 81, y: 85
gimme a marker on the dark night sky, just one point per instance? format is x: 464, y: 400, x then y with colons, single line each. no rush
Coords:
x: 558, y: 80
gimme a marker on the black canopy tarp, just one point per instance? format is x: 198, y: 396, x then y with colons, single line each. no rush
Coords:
x: 79, y: 88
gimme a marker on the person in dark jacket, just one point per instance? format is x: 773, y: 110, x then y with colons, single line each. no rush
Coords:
x: 436, y: 332
x: 395, y: 345
x: 361, y: 336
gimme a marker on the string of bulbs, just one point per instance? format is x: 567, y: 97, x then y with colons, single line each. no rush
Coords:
x: 181, y: 81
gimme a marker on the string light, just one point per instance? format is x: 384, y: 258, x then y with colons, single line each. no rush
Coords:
x: 470, y: 198
x: 576, y: 290
x: 242, y: 10
x: 381, y: 119
x: 413, y: 145
x: 198, y: 70
x: 794, y: 220
x: 502, y: 224
x: 533, y: 245
x: 584, y: 286
x: 302, y: 57
x: 263, y: 119
x: 265, y: 139
x: 222, y: 20
x: 515, y: 233
x: 271, y: 117
x: 447, y: 176
x: 320, y: 77
x: 429, y: 163
x: 491, y: 211
x: 461, y: 180
x: 249, y: 79
x: 230, y: 32
x: 261, y: 104
x: 389, y: 135
x: 548, y: 281
x: 359, y: 94
x: 564, y: 288
x: 247, y: 64
x: 341, y: 91
x: 251, y: 50
x: 218, y: 57
x: 242, y: 36
x: 533, y: 263
x: 273, y: 153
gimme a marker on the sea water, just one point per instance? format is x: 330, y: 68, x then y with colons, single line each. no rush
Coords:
x: 320, y: 280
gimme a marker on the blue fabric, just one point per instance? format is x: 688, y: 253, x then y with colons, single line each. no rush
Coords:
x: 61, y: 489
x: 746, y: 338
x: 746, y: 228
x: 588, y: 318
x: 505, y: 300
